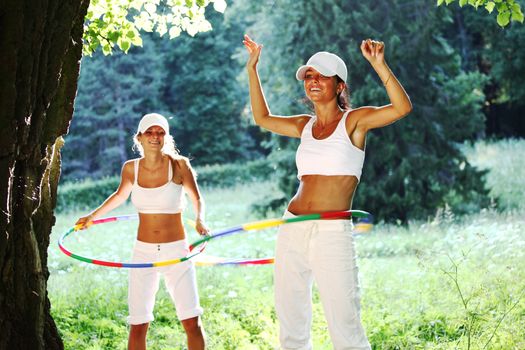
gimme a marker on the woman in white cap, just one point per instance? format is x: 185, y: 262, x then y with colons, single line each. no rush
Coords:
x: 329, y: 162
x: 157, y: 182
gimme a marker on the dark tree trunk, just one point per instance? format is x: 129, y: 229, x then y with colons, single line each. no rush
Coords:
x: 40, y: 51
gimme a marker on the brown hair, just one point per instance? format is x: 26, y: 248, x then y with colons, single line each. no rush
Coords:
x: 343, y: 98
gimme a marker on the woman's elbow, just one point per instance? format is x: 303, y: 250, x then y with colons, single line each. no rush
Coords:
x: 405, y: 109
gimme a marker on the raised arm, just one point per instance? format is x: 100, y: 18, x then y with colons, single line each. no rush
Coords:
x: 115, y: 199
x: 400, y: 105
x: 192, y: 189
x: 287, y: 126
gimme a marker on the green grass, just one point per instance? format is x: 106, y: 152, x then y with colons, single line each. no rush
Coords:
x: 447, y: 283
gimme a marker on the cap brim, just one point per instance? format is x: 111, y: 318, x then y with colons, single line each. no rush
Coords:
x: 143, y: 130
x: 301, y: 72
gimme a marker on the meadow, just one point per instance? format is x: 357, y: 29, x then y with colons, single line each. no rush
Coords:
x: 450, y: 282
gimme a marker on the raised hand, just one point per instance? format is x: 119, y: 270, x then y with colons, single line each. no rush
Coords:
x: 254, y: 50
x: 373, y: 51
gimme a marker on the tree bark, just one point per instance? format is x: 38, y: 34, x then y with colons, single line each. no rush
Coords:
x: 41, y: 47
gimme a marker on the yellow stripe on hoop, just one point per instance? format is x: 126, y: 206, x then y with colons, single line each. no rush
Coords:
x: 262, y: 224
x: 167, y: 262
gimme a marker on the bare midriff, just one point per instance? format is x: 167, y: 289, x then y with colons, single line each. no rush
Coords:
x: 160, y: 228
x: 320, y: 193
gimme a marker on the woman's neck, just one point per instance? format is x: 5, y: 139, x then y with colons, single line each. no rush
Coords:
x: 327, y: 113
x: 153, y: 158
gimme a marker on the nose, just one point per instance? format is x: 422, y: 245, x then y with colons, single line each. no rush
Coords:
x: 314, y: 81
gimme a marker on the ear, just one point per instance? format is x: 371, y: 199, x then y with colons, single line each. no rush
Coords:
x: 340, y: 87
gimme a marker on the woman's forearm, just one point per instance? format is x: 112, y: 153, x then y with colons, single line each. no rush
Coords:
x: 260, y: 109
x: 397, y: 94
x: 199, y: 208
x: 112, y: 202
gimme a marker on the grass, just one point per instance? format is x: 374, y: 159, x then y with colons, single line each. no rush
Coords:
x: 447, y: 283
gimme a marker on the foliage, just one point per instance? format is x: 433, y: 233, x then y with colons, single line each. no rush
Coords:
x: 508, y: 10
x: 492, y: 51
x: 415, y: 165
x: 88, y: 194
x: 119, y: 22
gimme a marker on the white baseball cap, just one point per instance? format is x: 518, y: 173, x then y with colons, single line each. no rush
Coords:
x: 326, y: 63
x: 153, y: 119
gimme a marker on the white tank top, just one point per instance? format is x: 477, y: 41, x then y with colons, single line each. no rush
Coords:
x: 166, y: 199
x: 335, y: 155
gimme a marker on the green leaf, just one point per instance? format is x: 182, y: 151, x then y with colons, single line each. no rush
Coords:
x: 517, y: 16
x: 503, y: 18
x: 106, y: 49
x: 490, y: 6
x: 462, y: 3
x: 113, y: 36
x: 440, y: 2
x: 124, y: 45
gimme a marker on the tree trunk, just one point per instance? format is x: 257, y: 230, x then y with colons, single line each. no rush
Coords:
x: 41, y: 47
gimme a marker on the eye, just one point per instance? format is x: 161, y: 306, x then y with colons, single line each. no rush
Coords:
x: 147, y: 132
x: 323, y: 77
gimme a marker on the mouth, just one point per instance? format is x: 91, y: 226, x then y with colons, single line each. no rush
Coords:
x: 315, y: 90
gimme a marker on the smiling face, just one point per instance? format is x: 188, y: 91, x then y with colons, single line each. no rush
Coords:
x: 152, y: 138
x: 320, y: 88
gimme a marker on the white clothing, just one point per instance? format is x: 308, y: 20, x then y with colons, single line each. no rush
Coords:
x: 321, y: 251
x: 166, y: 199
x: 179, y: 279
x: 335, y: 155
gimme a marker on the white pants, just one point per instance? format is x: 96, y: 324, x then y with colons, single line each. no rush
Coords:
x: 320, y: 250
x: 179, y: 279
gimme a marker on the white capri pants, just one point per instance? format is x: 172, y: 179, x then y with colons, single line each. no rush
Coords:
x: 320, y: 250
x: 179, y: 279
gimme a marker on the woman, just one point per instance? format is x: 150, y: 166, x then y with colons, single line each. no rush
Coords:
x: 329, y: 162
x: 156, y: 182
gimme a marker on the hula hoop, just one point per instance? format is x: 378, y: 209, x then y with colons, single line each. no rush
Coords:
x: 198, y: 246
x: 121, y: 264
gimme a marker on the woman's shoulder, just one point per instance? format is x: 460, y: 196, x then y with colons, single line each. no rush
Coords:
x: 128, y: 168
x: 305, y: 118
x: 355, y: 114
x: 179, y: 161
x: 130, y: 163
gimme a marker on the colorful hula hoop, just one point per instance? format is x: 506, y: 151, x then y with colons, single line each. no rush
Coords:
x: 193, y: 250
x: 198, y: 246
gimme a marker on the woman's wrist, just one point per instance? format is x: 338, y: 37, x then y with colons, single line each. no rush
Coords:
x: 385, y: 82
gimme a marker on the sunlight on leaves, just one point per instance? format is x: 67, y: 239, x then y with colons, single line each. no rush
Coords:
x: 114, y: 24
x: 508, y: 10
